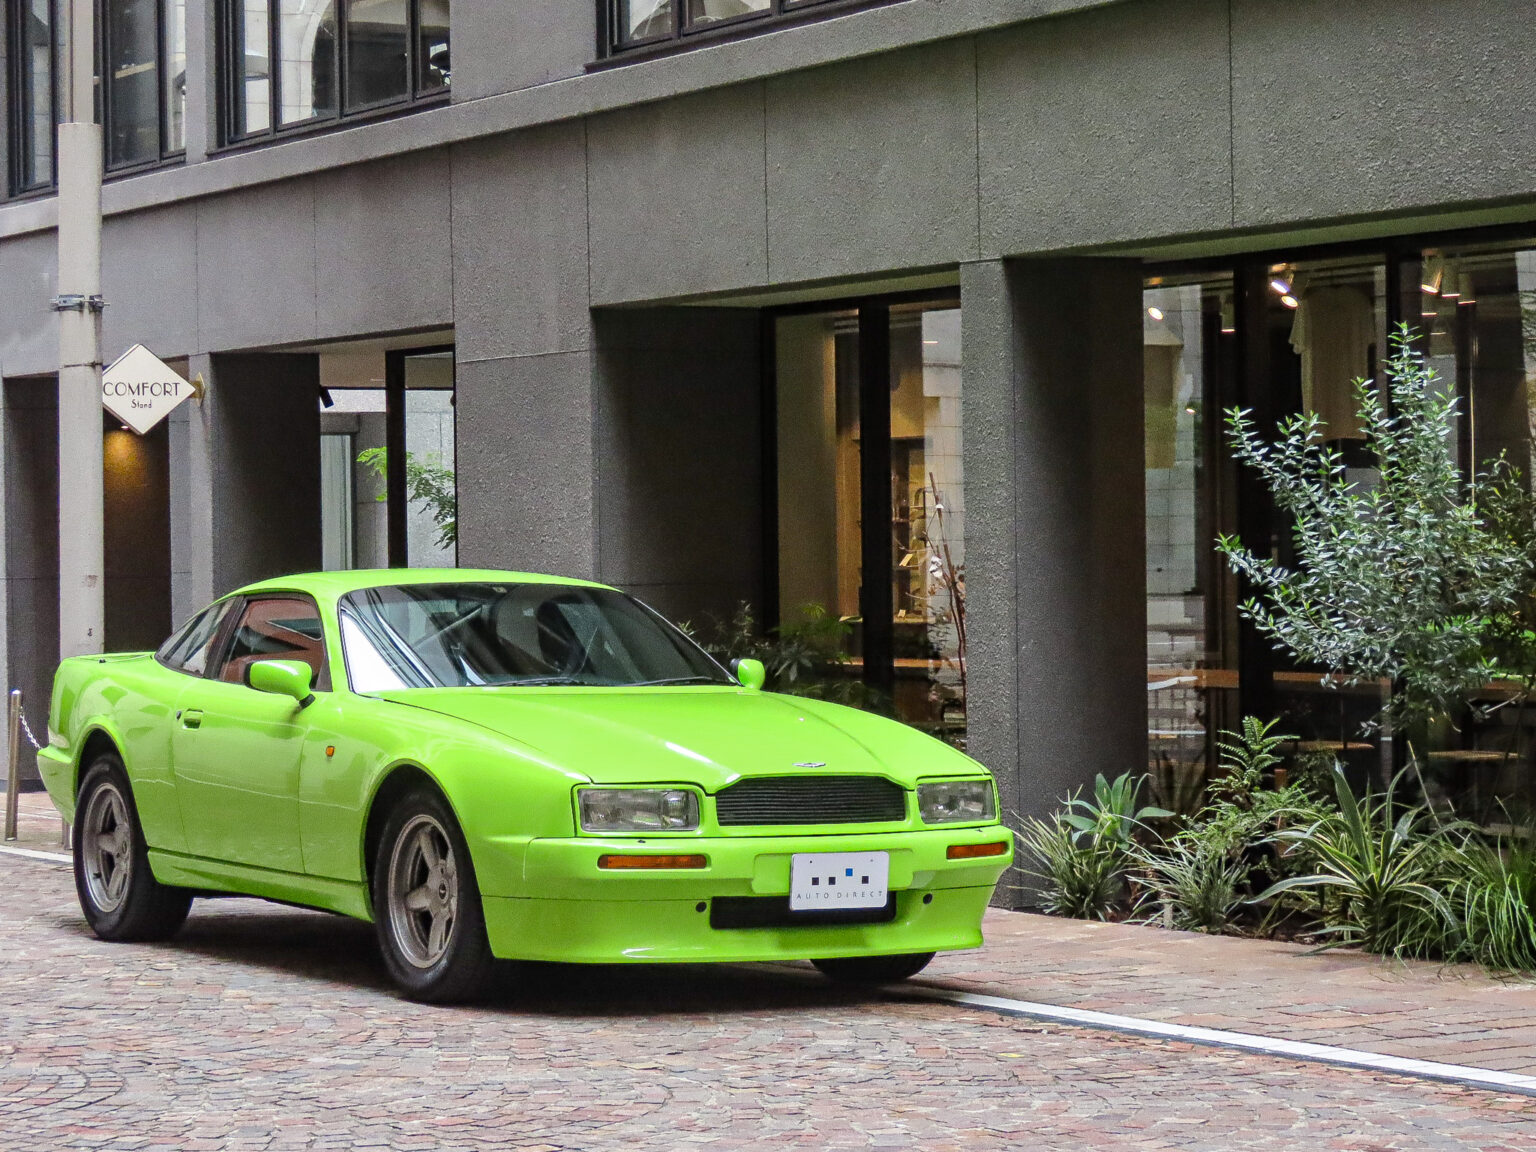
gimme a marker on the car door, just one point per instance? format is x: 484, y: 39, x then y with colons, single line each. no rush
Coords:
x: 235, y: 751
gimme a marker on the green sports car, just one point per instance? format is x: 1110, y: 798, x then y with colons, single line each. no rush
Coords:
x: 501, y: 765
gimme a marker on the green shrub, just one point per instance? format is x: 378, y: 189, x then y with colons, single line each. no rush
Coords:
x: 1189, y: 883
x: 1491, y: 893
x: 1380, y: 873
x: 1080, y: 876
x: 1082, y: 854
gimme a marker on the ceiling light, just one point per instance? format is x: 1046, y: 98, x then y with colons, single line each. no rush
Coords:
x: 1288, y: 300
x: 1190, y: 408
x: 1430, y: 288
x: 1281, y: 286
x: 930, y: 341
x: 1228, y: 331
x: 1155, y: 313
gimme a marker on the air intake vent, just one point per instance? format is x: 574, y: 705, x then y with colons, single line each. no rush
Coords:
x: 770, y: 800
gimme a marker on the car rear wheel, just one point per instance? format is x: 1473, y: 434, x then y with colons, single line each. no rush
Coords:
x: 119, y: 894
x: 874, y: 969
x: 426, y: 904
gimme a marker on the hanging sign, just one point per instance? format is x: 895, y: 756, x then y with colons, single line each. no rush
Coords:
x: 141, y: 390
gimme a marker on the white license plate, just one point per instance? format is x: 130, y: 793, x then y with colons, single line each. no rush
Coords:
x: 838, y: 880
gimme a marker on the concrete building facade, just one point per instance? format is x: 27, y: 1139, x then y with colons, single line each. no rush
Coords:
x: 614, y: 245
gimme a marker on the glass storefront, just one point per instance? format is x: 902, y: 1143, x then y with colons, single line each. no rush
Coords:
x: 899, y: 365
x: 1278, y: 336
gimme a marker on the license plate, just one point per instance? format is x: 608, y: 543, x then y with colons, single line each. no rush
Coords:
x: 838, y: 880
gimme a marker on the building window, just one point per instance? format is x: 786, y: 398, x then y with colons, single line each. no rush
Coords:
x: 643, y: 23
x: 292, y: 63
x: 143, y: 46
x: 876, y: 541
x: 30, y: 95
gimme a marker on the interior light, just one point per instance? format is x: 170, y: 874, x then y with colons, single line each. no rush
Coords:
x: 930, y: 341
x: 1288, y: 300
x: 1190, y: 408
x: 1429, y: 315
x: 1281, y: 286
x: 1430, y: 288
x: 1155, y: 313
x: 1450, y: 294
x: 1228, y: 331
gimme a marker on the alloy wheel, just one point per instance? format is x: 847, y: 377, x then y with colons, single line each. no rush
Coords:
x: 106, y: 841
x: 423, y: 891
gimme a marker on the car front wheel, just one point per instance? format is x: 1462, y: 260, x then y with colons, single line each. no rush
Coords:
x: 426, y: 904
x: 874, y: 969
x: 119, y: 895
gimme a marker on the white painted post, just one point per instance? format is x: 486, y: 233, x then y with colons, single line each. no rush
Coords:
x: 82, y: 608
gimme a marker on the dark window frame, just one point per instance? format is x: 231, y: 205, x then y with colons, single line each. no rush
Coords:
x: 614, y: 48
x: 18, y: 130
x: 230, y: 67
x: 167, y: 154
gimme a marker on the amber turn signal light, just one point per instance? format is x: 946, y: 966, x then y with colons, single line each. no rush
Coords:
x: 652, y: 862
x: 971, y: 851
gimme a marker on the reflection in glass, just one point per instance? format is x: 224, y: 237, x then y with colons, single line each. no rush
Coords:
x: 712, y: 11
x: 34, y: 76
x: 307, y: 60
x: 429, y: 448
x: 378, y: 39
x: 433, y: 70
x: 132, y: 39
x: 1188, y: 341
x: 928, y: 516
x: 253, y: 96
x: 1478, y: 320
x: 643, y: 19
x: 175, y: 75
x: 822, y: 502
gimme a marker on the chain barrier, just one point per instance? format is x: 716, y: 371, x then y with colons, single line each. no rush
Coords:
x: 19, y: 728
x: 27, y: 732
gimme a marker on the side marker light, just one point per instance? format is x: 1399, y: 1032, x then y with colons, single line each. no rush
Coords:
x: 652, y: 861
x: 971, y: 851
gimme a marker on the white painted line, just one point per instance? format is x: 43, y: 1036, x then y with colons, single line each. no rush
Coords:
x: 1216, y: 1037
x: 52, y: 857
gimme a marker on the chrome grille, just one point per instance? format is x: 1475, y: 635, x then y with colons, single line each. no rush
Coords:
x: 769, y: 800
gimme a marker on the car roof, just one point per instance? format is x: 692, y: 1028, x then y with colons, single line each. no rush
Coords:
x: 334, y: 584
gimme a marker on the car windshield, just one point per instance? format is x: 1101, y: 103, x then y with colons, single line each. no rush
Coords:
x: 468, y: 635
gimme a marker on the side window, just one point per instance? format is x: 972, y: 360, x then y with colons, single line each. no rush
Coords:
x: 188, y: 651
x: 277, y: 628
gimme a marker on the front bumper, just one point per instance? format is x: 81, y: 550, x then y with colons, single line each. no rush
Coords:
x: 575, y: 911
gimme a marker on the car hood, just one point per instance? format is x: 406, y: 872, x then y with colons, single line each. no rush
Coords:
x: 711, y: 736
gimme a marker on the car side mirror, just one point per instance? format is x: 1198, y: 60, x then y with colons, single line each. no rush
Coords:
x: 750, y: 673
x: 282, y: 678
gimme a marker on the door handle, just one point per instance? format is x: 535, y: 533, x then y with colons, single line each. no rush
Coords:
x: 192, y: 718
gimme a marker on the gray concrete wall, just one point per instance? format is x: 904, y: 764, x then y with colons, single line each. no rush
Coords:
x: 31, y: 477
x: 679, y: 457
x: 1055, y: 536
x: 245, y: 476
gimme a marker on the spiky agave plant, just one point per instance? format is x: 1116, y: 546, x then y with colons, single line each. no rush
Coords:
x: 1388, y: 868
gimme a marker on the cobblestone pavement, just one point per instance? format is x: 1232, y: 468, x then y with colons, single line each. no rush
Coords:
x: 1450, y: 1013
x: 262, y: 1027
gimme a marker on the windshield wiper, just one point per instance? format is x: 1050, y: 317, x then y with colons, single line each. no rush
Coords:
x: 543, y: 681
x: 676, y: 680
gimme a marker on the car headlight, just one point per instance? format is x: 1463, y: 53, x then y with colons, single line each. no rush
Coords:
x: 639, y: 810
x: 955, y: 801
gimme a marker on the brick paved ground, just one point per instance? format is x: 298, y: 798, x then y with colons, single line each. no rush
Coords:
x: 1450, y: 1013
x: 264, y: 1027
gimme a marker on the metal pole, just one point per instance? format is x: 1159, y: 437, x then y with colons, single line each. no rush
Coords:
x: 13, y: 768
x: 82, y: 560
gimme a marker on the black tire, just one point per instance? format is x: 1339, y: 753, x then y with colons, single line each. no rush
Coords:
x: 426, y: 904
x: 119, y: 895
x: 870, y: 970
